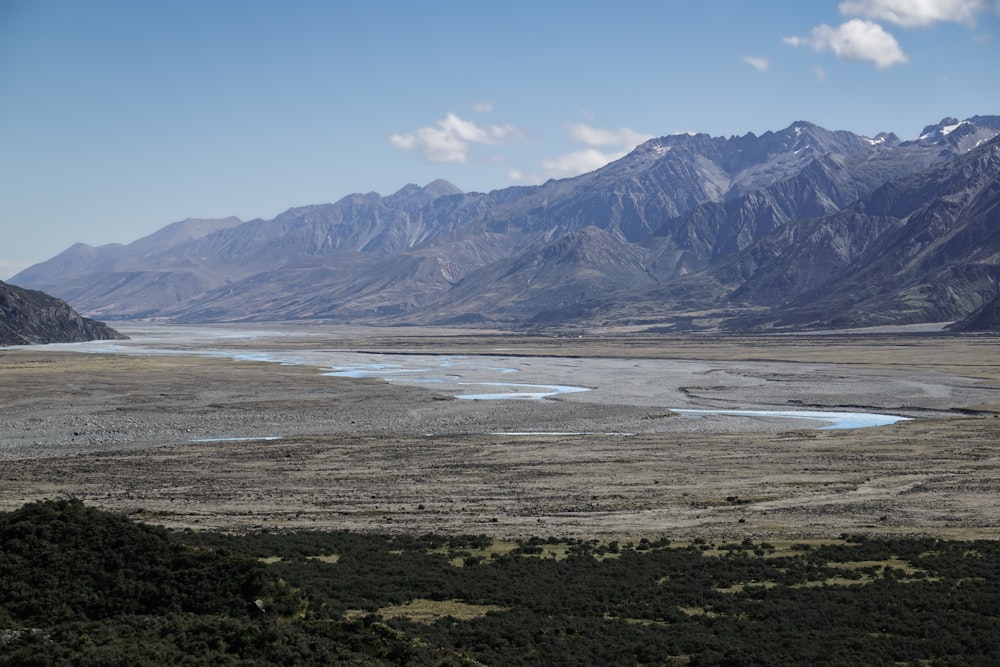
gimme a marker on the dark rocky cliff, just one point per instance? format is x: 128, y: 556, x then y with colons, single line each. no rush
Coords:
x: 28, y: 317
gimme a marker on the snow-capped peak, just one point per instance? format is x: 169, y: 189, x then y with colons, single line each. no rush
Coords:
x: 942, y: 129
x: 947, y: 129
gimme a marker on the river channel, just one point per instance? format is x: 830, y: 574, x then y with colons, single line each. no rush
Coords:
x: 695, y: 389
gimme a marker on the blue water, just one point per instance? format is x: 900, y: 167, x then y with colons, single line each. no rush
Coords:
x: 541, y: 391
x: 448, y: 371
x: 245, y: 439
x: 835, y: 420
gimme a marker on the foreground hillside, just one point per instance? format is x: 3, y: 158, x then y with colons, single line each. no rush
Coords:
x: 29, y: 316
x: 795, y: 229
x: 83, y: 587
x: 80, y: 586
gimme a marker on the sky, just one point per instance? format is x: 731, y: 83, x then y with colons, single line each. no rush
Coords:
x: 118, y: 117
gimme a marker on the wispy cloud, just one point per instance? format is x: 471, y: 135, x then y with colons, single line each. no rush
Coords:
x: 856, y: 39
x: 757, y: 62
x: 915, y: 13
x: 601, y: 146
x: 588, y: 135
x: 452, y: 138
x: 578, y: 162
x: 820, y: 73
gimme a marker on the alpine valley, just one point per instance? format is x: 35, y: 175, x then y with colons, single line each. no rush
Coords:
x: 803, y: 228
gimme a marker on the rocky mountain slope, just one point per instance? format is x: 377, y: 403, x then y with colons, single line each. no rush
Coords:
x: 684, y: 223
x: 924, y: 248
x: 984, y: 318
x: 28, y: 317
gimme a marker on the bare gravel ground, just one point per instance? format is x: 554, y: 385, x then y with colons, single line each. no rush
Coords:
x: 129, y: 433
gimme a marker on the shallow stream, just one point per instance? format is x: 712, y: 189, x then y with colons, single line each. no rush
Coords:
x: 467, y: 375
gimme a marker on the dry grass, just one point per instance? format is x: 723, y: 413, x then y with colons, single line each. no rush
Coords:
x: 429, y: 611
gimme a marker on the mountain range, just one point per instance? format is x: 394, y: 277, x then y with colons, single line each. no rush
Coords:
x: 803, y: 228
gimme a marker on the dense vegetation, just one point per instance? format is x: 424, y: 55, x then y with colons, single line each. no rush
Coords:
x: 79, y: 586
x: 83, y: 587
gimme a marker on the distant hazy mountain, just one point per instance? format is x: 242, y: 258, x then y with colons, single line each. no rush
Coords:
x: 28, y: 317
x: 802, y: 227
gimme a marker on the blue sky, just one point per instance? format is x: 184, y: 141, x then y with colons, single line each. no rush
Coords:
x: 119, y: 117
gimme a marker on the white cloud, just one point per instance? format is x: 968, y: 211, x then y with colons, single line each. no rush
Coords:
x: 578, y: 162
x: 757, y: 62
x: 915, y: 13
x: 820, y: 73
x: 623, y: 137
x: 864, y: 39
x: 482, y: 107
x: 859, y: 40
x: 452, y: 138
x: 523, y: 177
x: 601, y: 146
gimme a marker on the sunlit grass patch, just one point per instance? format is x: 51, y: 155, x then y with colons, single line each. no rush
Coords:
x: 739, y: 588
x: 326, y: 558
x: 786, y: 548
x: 646, y: 622
x: 460, y: 554
x: 835, y: 581
x: 553, y: 550
x: 877, y: 565
x: 700, y: 611
x: 427, y: 611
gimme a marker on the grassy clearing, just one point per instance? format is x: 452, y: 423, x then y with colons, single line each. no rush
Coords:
x: 487, y: 554
x: 546, y: 550
x: 428, y: 611
x: 739, y: 588
x: 328, y: 558
x: 701, y: 611
x: 879, y: 565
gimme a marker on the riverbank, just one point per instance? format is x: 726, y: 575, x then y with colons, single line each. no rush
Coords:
x: 153, y: 435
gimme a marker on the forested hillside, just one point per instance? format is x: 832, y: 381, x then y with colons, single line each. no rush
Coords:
x: 80, y: 586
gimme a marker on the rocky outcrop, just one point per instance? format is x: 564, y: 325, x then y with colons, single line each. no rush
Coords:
x: 29, y: 317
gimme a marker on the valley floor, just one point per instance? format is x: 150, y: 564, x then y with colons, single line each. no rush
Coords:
x: 188, y: 440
